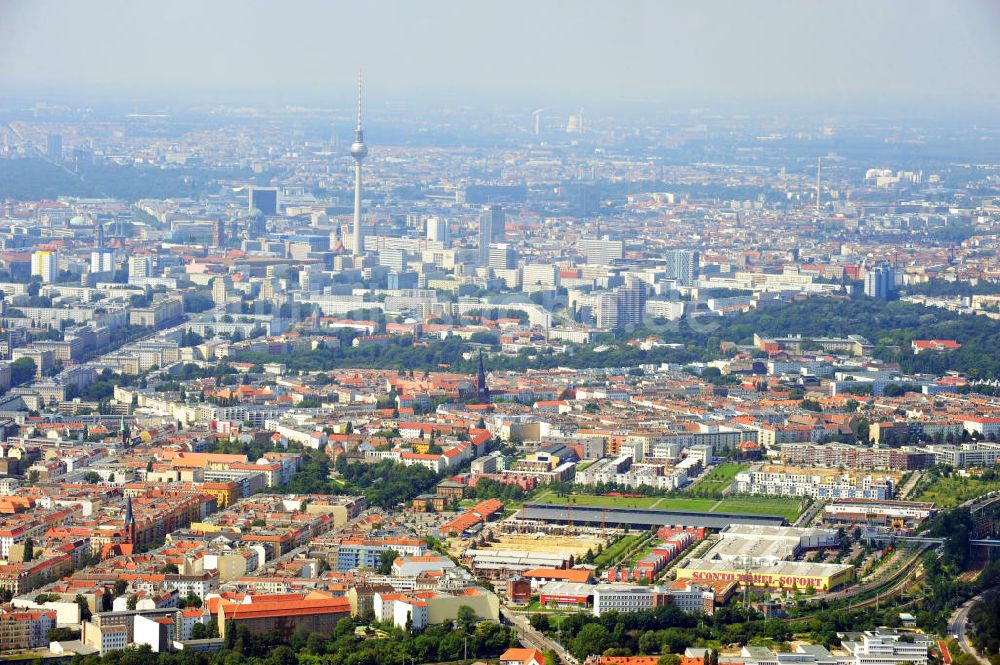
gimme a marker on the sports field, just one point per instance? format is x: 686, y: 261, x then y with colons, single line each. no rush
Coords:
x: 787, y: 507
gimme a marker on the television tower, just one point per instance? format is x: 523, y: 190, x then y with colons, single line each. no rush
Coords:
x: 358, y: 151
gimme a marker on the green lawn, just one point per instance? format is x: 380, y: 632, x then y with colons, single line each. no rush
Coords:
x: 717, y: 480
x: 596, y: 500
x: 787, y: 507
x: 686, y: 503
x: 947, y: 492
x: 613, y: 552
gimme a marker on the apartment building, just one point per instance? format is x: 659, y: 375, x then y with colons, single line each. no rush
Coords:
x: 817, y: 484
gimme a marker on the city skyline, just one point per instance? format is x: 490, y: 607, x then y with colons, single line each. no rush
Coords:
x: 562, y: 333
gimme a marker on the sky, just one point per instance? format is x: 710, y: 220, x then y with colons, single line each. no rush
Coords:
x: 540, y: 52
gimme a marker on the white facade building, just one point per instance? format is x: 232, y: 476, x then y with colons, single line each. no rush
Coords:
x: 45, y: 264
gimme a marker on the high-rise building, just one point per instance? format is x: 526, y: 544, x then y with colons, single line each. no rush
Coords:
x: 54, y: 147
x: 623, y: 306
x: 139, y: 268
x: 358, y: 151
x: 502, y: 256
x: 600, y: 251
x: 311, y: 277
x: 392, y: 258
x: 45, y: 264
x: 492, y: 229
x: 264, y: 199
x: 880, y: 282
x: 220, y: 290
x: 631, y: 300
x: 102, y: 260
x: 683, y: 265
x: 268, y: 289
x: 574, y: 125
x: 403, y: 280
x: 605, y: 308
x: 540, y: 275
x: 437, y: 231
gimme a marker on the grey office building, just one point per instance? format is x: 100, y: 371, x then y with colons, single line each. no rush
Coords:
x: 880, y: 282
x: 264, y: 199
x: 683, y: 265
x: 492, y: 229
x: 600, y: 251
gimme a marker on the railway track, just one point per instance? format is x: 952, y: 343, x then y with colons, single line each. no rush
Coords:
x: 902, y: 580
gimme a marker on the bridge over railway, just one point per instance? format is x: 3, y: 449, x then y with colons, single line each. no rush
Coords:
x: 978, y: 508
x: 889, y: 538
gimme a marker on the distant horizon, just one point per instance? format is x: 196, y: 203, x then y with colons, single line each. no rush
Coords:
x: 932, y: 109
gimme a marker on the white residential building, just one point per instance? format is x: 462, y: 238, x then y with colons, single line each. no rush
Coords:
x: 815, y: 485
x: 45, y: 264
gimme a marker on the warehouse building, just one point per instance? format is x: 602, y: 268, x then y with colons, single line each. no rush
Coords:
x: 788, y: 575
x: 769, y: 544
x: 640, y: 518
x: 897, y: 514
x: 764, y: 556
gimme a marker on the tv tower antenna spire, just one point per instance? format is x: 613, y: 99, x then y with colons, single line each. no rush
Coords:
x: 358, y: 151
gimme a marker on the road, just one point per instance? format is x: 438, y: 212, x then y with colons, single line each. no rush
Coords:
x: 957, y: 628
x: 806, y: 518
x: 532, y: 638
x: 909, y: 485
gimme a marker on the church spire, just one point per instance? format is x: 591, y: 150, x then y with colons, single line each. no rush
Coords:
x: 129, y: 522
x: 481, y: 388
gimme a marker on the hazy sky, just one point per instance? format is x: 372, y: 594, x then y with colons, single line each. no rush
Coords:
x: 947, y: 51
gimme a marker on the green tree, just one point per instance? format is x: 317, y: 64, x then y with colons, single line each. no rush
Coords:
x: 190, y: 600
x: 344, y: 628
x: 593, y: 639
x: 316, y: 642
x: 466, y: 618
x: 81, y: 602
x: 22, y: 371
x: 385, y: 561
x: 283, y: 655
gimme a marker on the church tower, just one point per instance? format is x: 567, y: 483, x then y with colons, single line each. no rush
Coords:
x: 482, y: 389
x: 129, y: 522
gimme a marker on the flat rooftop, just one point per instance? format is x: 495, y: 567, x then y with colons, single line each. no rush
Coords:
x: 777, y: 532
x: 795, y: 568
x: 640, y: 517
